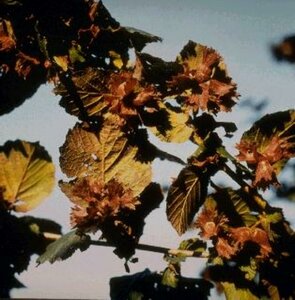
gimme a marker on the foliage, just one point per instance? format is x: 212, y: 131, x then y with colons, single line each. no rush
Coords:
x: 26, y: 178
x: 26, y: 175
x: 108, y: 159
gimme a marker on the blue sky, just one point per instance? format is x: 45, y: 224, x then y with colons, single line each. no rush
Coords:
x: 242, y: 32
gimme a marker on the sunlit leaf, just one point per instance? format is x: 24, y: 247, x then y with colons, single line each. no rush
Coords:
x: 170, y: 278
x: 105, y: 154
x: 26, y: 174
x: 62, y: 61
x: 64, y: 247
x: 175, y: 129
x: 75, y: 54
x: 233, y: 293
x: 186, y: 194
x: 268, y: 145
x: 194, y: 244
x: 267, y: 220
x: 89, y: 86
x: 116, y: 59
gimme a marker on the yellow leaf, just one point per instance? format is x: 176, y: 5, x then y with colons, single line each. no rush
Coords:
x: 116, y: 59
x: 90, y: 86
x: 105, y: 154
x: 177, y: 130
x: 62, y: 61
x: 26, y: 174
x: 233, y: 293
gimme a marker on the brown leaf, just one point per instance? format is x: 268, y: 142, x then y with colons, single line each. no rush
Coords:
x: 7, y: 38
x: 24, y: 64
x: 126, y: 94
x: 267, y: 145
x: 204, y: 83
x: 96, y: 201
x: 259, y: 236
x: 209, y: 221
x: 224, y: 249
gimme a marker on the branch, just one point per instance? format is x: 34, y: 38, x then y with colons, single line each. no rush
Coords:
x: 143, y: 247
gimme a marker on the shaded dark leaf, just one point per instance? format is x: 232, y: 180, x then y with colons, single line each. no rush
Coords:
x: 155, y: 70
x: 148, y: 151
x: 140, y: 38
x: 40, y: 226
x: 14, y: 90
x: 206, y: 123
x: 20, y: 239
x: 285, y: 50
x: 125, y: 231
x: 148, y: 285
x: 64, y: 247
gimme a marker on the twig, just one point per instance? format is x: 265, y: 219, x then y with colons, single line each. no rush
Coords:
x: 143, y: 247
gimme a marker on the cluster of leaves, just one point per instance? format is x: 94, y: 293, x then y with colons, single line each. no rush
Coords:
x: 108, y: 158
x: 26, y: 178
x: 38, y: 40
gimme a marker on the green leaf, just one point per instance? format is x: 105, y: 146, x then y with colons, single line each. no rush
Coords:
x: 105, y: 154
x: 233, y: 293
x: 76, y: 54
x: 242, y: 208
x: 250, y: 270
x: 267, y: 220
x: 64, y: 247
x: 234, y: 204
x: 26, y: 174
x: 175, y: 128
x: 185, y: 196
x: 194, y: 244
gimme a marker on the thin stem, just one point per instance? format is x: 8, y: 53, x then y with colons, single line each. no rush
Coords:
x: 143, y: 247
x: 157, y: 249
